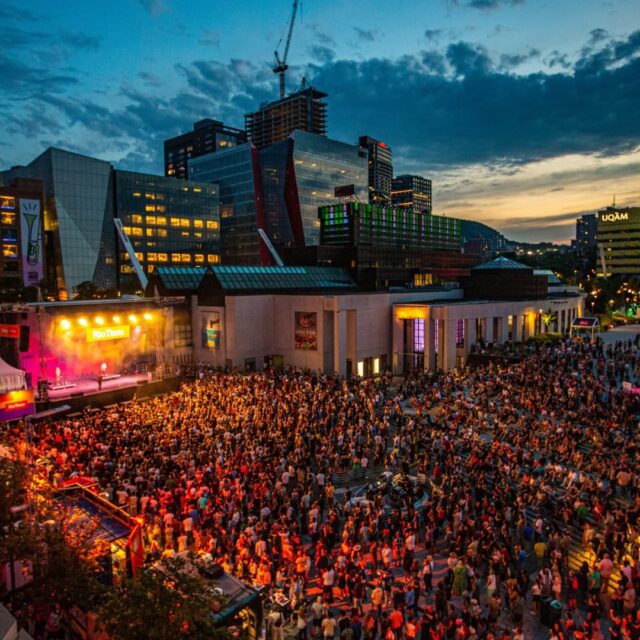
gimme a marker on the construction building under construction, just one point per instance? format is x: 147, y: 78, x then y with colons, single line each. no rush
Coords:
x: 275, y: 121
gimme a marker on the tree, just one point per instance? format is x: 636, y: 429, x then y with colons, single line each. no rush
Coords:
x: 548, y: 318
x: 86, y: 290
x: 166, y: 602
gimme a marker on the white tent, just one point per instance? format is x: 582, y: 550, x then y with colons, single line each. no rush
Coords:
x: 11, y: 379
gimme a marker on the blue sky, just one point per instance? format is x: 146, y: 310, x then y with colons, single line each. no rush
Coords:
x: 524, y: 113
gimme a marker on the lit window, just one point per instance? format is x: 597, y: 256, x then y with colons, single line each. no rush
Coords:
x: 151, y: 268
x: 136, y: 194
x: 175, y: 222
x: 160, y: 207
x: 198, y: 224
x: 149, y: 207
x: 213, y: 258
x: 140, y: 256
x: 197, y: 234
x: 185, y: 222
x: 8, y: 218
x: 127, y: 230
x: 186, y: 257
x: 151, y: 233
x: 185, y: 234
x: 152, y: 257
x: 151, y: 220
x: 197, y: 189
x: 161, y: 220
x: 136, y: 218
x: 150, y: 196
x: 213, y: 224
x: 162, y: 257
x: 199, y: 257
x: 136, y: 231
x: 162, y: 233
x: 175, y: 257
x: 10, y: 250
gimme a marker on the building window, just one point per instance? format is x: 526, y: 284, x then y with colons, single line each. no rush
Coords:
x: 186, y: 257
x: 10, y: 250
x: 161, y: 220
x: 162, y: 257
x: 161, y: 233
x: 175, y: 222
x: 149, y: 207
x: 140, y: 256
x: 175, y: 257
x: 460, y: 333
x: 161, y: 208
x: 198, y: 224
x: 136, y: 194
x: 197, y: 234
x: 213, y: 258
x: 213, y: 224
x: 185, y: 222
x: 150, y: 196
x: 136, y: 231
x: 136, y: 218
x: 185, y: 234
x: 182, y: 335
x: 151, y: 220
x: 152, y: 257
x: 150, y: 233
x: 199, y: 257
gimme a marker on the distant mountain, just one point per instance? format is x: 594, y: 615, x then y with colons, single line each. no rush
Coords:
x: 472, y: 230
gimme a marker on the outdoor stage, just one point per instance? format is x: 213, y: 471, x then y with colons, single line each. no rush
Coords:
x: 85, y: 391
x: 89, y: 386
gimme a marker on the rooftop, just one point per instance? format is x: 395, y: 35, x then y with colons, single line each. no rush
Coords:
x: 501, y: 263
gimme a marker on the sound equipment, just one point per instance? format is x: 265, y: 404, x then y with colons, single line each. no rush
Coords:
x: 24, y: 338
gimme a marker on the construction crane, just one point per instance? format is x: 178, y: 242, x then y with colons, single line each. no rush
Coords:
x: 281, y: 64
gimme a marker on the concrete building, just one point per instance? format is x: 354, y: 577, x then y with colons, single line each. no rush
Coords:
x: 412, y: 192
x: 303, y: 110
x: 380, y: 164
x: 586, y: 232
x: 618, y: 239
x: 317, y: 318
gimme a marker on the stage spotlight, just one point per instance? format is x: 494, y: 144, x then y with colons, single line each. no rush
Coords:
x: 99, y: 320
x: 65, y: 324
x: 83, y: 322
x: 148, y: 316
x: 116, y: 319
x: 133, y: 319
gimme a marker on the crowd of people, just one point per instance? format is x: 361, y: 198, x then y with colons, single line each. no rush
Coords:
x: 527, y: 476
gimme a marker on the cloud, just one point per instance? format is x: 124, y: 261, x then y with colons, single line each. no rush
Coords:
x: 368, y: 35
x: 433, y: 35
x: 322, y: 54
x: 210, y: 38
x: 486, y: 4
x: 467, y: 58
x: 155, y: 7
x: 511, y: 61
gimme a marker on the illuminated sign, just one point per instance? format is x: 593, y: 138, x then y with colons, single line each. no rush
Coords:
x: 102, y: 334
x: 9, y: 331
x: 16, y: 404
x: 614, y: 217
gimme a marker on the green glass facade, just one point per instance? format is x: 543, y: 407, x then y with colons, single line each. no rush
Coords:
x: 366, y: 225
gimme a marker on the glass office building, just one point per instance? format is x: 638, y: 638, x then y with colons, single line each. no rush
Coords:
x: 78, y: 220
x: 169, y: 222
x: 235, y: 171
x: 300, y: 175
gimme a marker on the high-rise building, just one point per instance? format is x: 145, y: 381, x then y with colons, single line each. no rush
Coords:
x: 22, y: 260
x: 275, y: 121
x: 279, y: 189
x: 207, y: 136
x: 168, y: 221
x: 236, y: 172
x: 618, y: 238
x: 412, y: 192
x: 380, y: 170
x: 586, y: 230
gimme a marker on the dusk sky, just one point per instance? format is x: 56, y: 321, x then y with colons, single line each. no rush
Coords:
x: 524, y: 113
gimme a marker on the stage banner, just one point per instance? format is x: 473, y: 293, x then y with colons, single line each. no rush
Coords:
x: 16, y: 404
x: 31, y: 242
x: 103, y: 334
x: 10, y: 331
x: 306, y: 330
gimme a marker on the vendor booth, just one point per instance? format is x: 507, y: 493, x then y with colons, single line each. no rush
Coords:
x: 15, y: 400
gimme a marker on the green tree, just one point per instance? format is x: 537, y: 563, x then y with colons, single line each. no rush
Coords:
x: 86, y: 290
x: 164, y: 603
x: 548, y: 318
